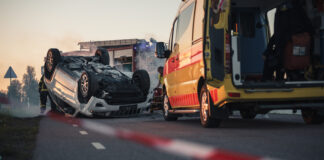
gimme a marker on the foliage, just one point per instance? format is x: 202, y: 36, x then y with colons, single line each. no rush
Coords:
x: 14, y: 91
x: 30, y: 87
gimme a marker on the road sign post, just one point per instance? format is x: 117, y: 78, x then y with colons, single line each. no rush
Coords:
x: 10, y: 74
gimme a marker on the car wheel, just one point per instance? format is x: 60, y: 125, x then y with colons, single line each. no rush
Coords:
x: 87, y: 87
x: 104, y: 56
x: 205, y: 103
x: 311, y: 116
x: 142, y: 79
x: 247, y: 114
x: 52, y: 59
x: 166, y: 106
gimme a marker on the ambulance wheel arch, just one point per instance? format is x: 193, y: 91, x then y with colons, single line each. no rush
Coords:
x: 206, y: 103
x: 200, y: 84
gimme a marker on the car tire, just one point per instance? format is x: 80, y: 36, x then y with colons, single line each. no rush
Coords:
x: 52, y: 59
x: 104, y: 56
x: 142, y: 79
x: 247, y: 114
x: 311, y: 116
x: 87, y: 86
x: 166, y: 106
x: 205, y: 103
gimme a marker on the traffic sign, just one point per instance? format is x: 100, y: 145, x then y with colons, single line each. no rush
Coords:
x: 10, y: 73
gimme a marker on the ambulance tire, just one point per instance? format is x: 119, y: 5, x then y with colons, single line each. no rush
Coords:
x: 311, y: 116
x: 205, y: 103
x: 166, y: 107
x: 104, y: 56
x: 52, y: 59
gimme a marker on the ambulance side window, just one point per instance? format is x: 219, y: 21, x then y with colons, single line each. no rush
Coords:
x: 172, y: 37
x: 185, y: 26
x: 198, y: 24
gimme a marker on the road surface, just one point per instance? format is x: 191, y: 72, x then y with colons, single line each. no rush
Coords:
x: 274, y: 135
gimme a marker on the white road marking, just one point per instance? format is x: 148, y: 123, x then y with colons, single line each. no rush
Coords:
x: 75, y: 125
x: 83, y: 132
x: 98, y: 145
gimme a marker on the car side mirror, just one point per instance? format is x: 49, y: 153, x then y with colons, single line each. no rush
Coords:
x: 161, y: 51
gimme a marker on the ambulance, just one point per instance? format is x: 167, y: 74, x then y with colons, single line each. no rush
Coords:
x: 217, y: 59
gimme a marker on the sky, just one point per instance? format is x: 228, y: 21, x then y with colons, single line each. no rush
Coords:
x: 28, y: 28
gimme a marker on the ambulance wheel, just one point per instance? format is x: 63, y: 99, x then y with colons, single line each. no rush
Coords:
x: 104, y: 56
x: 311, y: 116
x: 205, y: 103
x: 166, y: 106
x: 52, y: 59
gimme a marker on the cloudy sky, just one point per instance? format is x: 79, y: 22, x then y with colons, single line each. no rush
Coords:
x: 30, y: 27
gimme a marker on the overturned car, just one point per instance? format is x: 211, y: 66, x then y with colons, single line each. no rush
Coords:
x: 89, y: 86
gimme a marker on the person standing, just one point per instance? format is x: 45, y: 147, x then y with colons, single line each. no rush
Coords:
x: 160, y: 77
x: 43, y: 92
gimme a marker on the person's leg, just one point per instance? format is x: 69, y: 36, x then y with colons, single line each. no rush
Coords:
x: 43, y: 98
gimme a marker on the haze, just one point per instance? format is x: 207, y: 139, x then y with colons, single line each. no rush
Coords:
x: 30, y: 27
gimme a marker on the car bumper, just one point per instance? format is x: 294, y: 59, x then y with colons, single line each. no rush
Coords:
x: 97, y: 105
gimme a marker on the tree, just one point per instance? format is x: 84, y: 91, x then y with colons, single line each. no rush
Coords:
x: 30, y: 88
x: 14, y: 91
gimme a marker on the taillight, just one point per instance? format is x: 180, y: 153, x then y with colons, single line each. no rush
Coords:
x: 232, y: 94
x: 228, y: 66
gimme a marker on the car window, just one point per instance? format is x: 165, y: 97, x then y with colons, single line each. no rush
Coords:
x: 184, y: 30
x: 198, y: 25
x: 172, y: 37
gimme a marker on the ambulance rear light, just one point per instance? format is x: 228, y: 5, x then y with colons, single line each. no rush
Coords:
x: 234, y: 95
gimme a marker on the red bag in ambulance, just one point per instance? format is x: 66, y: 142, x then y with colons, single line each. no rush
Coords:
x: 297, y: 52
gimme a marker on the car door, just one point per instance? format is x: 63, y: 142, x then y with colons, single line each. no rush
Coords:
x: 216, y: 29
x: 171, y: 63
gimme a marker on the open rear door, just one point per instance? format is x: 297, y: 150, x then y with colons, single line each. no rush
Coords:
x: 215, y: 41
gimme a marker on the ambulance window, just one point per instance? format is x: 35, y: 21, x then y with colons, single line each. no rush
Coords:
x: 185, y: 25
x: 199, y: 16
x: 173, y: 35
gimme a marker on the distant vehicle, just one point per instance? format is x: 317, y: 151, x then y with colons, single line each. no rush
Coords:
x: 214, y: 62
x: 88, y: 85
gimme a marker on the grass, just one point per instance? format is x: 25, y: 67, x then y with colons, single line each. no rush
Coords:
x: 17, y: 137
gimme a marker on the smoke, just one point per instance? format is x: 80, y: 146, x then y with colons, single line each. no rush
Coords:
x: 146, y: 60
x: 20, y: 110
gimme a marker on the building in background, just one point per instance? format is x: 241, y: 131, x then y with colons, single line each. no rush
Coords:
x: 126, y: 55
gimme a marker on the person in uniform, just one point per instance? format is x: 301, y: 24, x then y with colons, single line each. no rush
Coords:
x: 43, y: 92
x: 160, y: 77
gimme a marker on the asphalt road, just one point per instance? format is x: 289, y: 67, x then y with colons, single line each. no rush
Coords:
x: 274, y: 135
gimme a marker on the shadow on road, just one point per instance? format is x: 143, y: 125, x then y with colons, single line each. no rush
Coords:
x: 274, y: 122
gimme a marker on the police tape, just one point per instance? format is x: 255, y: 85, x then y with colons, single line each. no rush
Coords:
x: 172, y: 146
